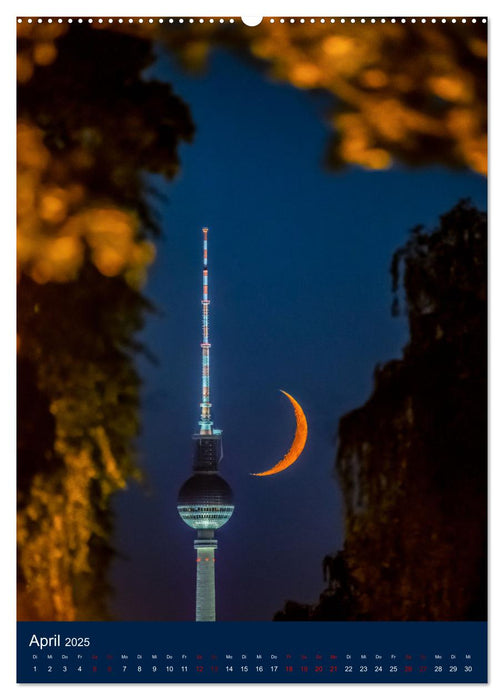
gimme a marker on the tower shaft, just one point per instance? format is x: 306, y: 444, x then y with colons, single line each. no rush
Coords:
x: 205, y: 577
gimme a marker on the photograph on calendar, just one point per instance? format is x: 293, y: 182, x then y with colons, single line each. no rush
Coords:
x: 251, y: 320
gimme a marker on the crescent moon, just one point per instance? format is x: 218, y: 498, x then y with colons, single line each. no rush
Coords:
x: 297, y: 444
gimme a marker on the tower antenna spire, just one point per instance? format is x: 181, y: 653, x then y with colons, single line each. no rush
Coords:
x: 205, y: 423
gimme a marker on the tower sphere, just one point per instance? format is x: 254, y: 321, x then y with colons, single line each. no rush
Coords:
x: 205, y: 501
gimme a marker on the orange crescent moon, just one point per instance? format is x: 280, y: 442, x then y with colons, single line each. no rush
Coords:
x: 297, y: 444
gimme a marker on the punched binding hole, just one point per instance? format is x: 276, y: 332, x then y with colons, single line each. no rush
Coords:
x: 251, y: 21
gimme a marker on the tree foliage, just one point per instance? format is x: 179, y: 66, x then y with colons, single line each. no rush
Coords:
x: 89, y: 125
x: 411, y: 93
x: 413, y: 460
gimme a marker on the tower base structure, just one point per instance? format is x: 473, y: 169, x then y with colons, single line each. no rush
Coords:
x: 205, y: 546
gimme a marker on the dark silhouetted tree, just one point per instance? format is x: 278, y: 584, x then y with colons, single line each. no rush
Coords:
x: 412, y: 461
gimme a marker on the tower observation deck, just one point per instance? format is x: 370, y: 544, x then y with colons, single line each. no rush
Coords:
x: 205, y: 501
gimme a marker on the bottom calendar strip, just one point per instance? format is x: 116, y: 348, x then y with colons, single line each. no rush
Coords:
x: 252, y: 652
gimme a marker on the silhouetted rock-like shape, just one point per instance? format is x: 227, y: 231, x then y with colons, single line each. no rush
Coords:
x: 412, y: 460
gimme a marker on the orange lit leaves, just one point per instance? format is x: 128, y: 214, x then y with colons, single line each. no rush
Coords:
x: 37, y: 46
x: 388, y: 97
x: 58, y: 222
x: 59, y: 521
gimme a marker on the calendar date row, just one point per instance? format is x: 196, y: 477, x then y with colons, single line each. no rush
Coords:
x: 259, y: 668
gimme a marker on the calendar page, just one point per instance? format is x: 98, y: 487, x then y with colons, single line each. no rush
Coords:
x: 252, y: 349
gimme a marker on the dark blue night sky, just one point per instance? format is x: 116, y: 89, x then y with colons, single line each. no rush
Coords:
x: 299, y: 263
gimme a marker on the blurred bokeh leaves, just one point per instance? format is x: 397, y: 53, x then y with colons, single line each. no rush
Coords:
x: 413, y: 93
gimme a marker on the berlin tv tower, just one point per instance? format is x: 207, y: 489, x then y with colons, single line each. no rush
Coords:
x: 205, y: 501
